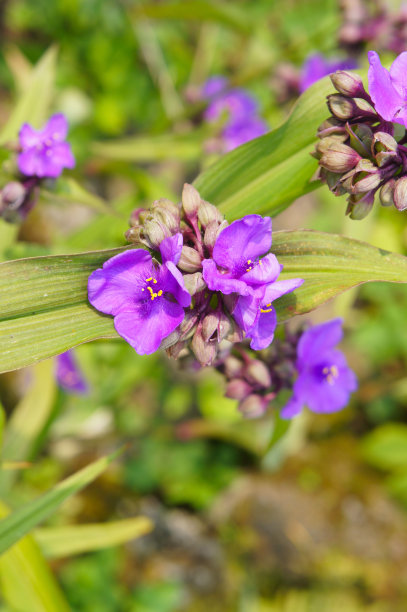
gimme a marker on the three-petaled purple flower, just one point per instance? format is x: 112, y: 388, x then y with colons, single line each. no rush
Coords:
x: 68, y: 374
x: 388, y: 88
x: 235, y: 268
x: 316, y: 66
x: 146, y: 299
x: 243, y: 123
x: 44, y: 152
x: 325, y: 380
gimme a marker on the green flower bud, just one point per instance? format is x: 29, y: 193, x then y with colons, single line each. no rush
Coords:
x: 205, y: 352
x: 339, y: 158
x: 190, y: 260
x: 237, y: 389
x: 386, y: 193
x: 348, y: 83
x: 194, y: 283
x: 207, y: 213
x: 400, y: 193
x: 258, y: 373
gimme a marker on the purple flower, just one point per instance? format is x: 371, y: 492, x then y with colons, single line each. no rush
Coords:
x: 146, y: 299
x: 68, y: 374
x: 324, y: 381
x: 238, y: 132
x: 316, y: 66
x: 235, y: 268
x: 236, y: 102
x: 44, y: 153
x: 214, y: 86
x: 388, y: 88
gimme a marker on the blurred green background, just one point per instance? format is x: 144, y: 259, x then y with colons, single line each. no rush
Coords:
x: 317, y: 523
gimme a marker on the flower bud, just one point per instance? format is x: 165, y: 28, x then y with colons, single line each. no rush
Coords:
x: 167, y: 205
x: 211, y: 234
x: 224, y: 326
x: 190, y: 260
x: 258, y: 373
x: 188, y: 325
x: 386, y: 193
x: 191, y: 200
x: 237, y: 389
x: 135, y: 216
x: 400, y: 193
x: 210, y: 325
x: 359, y: 209
x: 177, y: 350
x: 194, y: 282
x: 13, y: 195
x: 134, y: 234
x: 349, y: 108
x: 205, y: 352
x: 348, y: 84
x: 253, y: 406
x: 167, y: 218
x: 339, y: 158
x: 208, y: 213
x: 155, y: 232
x: 233, y: 366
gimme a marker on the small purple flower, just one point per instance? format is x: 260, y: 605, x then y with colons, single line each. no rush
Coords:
x: 214, y: 86
x: 146, y: 299
x: 235, y: 268
x: 316, y: 66
x: 238, y: 132
x: 237, y: 103
x: 325, y: 380
x: 44, y: 152
x: 388, y: 88
x: 69, y: 375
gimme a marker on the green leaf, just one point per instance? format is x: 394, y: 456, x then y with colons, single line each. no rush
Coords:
x: 150, y: 149
x: 44, y: 309
x: 26, y: 580
x: 57, y: 542
x: 386, y: 446
x: 23, y: 520
x: 198, y: 10
x: 68, y: 191
x: 33, y: 105
x: 266, y: 174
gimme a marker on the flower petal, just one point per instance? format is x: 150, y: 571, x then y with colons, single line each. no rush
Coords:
x: 173, y: 282
x: 68, y: 374
x: 322, y: 398
x: 262, y: 332
x: 246, y: 311
x: 33, y: 162
x: 117, y: 285
x: 57, y: 157
x: 279, y: 288
x: 171, y: 247
x: 386, y: 98
x: 292, y: 408
x: 243, y: 240
x: 29, y: 137
x: 145, y: 328
x: 317, y: 340
x: 398, y: 74
x: 266, y: 271
x: 225, y: 283
x: 56, y: 128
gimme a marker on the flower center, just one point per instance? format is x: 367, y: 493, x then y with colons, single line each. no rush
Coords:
x: 267, y: 308
x: 250, y: 264
x: 153, y: 294
x: 330, y: 373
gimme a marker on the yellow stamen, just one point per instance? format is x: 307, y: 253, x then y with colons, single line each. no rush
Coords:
x: 267, y: 309
x: 149, y: 279
x: 331, y: 373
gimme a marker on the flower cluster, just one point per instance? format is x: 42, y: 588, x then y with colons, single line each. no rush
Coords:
x: 305, y: 362
x: 243, y: 122
x: 200, y: 282
x: 362, y: 148
x: 42, y: 154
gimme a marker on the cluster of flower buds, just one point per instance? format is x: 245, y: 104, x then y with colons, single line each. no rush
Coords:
x: 359, y: 152
x: 41, y: 154
x: 255, y: 379
x: 201, y: 281
x: 305, y: 362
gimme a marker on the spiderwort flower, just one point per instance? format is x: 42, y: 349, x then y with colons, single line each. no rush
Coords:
x: 388, y: 88
x: 69, y: 375
x: 236, y: 268
x: 44, y: 152
x: 325, y: 380
x: 316, y: 66
x: 146, y: 299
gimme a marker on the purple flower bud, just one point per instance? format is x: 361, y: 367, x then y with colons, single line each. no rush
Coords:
x: 238, y: 389
x: 349, y: 108
x: 258, y: 373
x: 13, y: 195
x: 348, y: 84
x: 253, y: 406
x: 400, y: 193
x: 205, y: 352
x: 208, y: 213
x: 339, y: 158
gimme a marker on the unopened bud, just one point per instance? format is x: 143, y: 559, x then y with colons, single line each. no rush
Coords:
x: 233, y: 366
x: 207, y: 213
x: 191, y: 200
x: 211, y: 234
x: 177, y: 350
x: 167, y: 205
x: 257, y: 372
x: 194, y: 283
x: 205, y: 352
x: 400, y: 193
x: 348, y: 84
x: 13, y: 195
x: 386, y: 193
x: 134, y: 234
x: 237, y: 389
x: 190, y: 260
x: 224, y: 326
x: 188, y: 324
x: 359, y: 209
x: 155, y: 232
x: 210, y: 325
x: 253, y: 406
x: 135, y: 216
x: 349, y: 108
x: 339, y: 158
